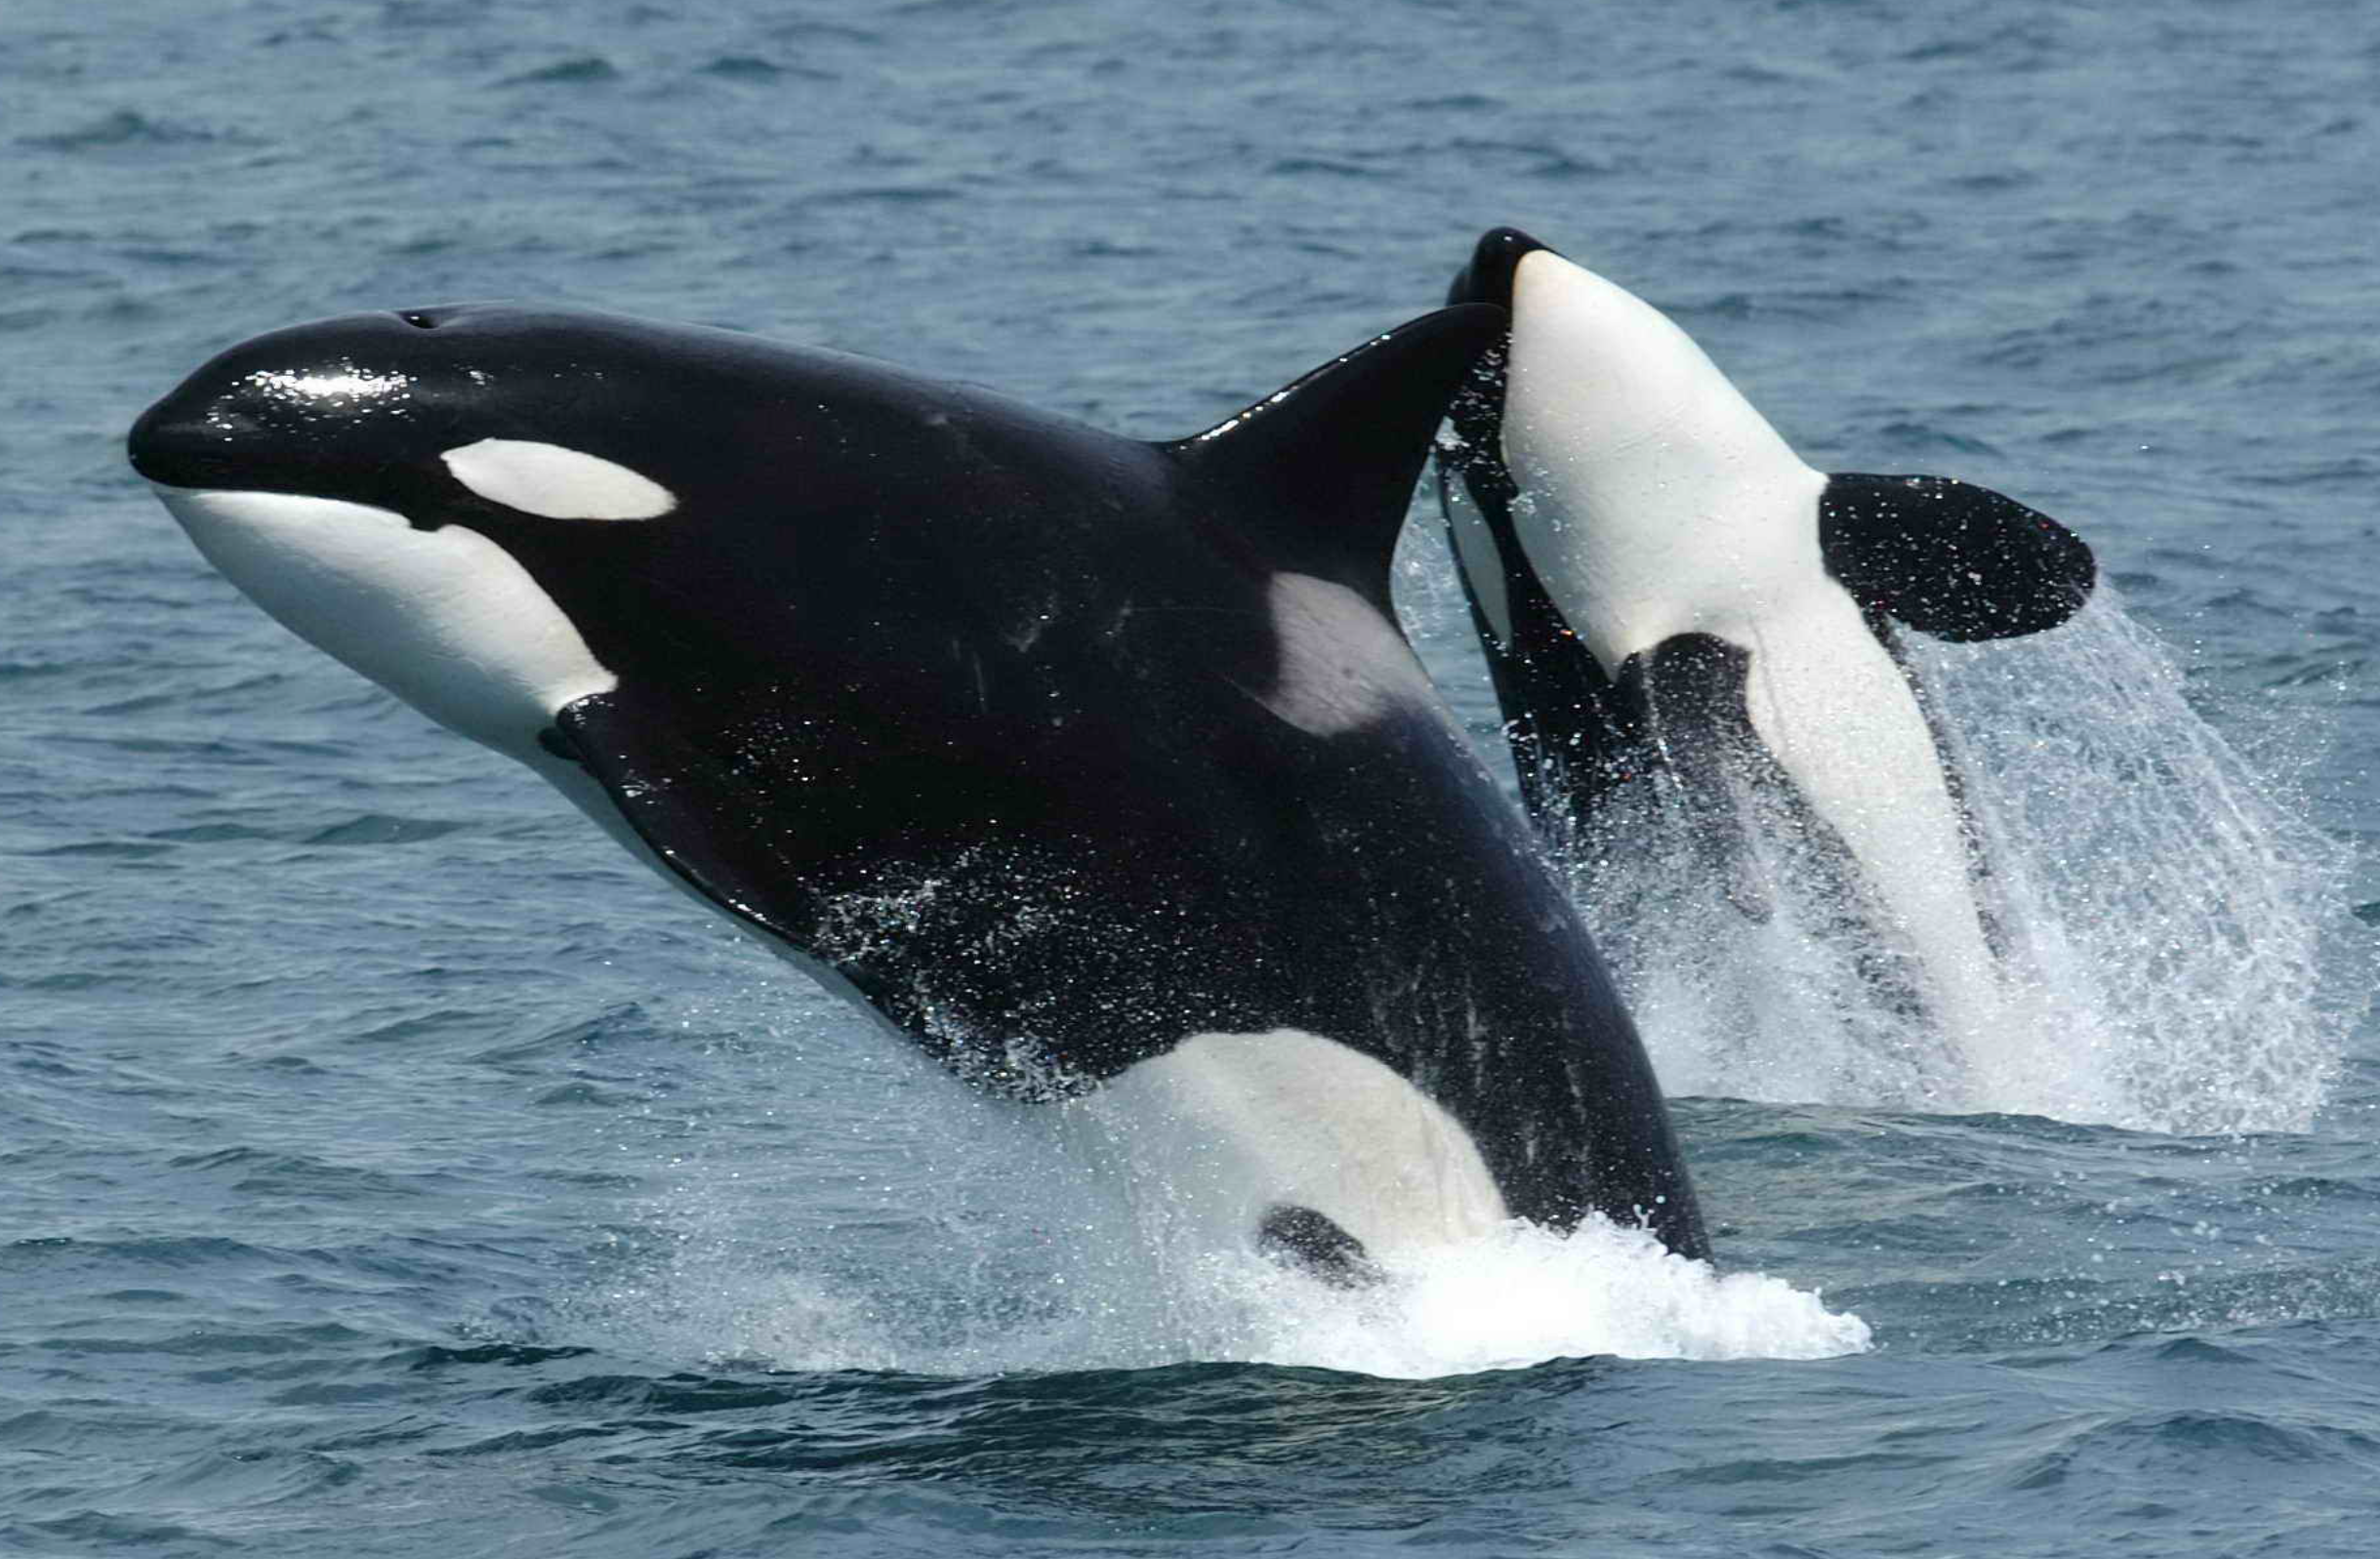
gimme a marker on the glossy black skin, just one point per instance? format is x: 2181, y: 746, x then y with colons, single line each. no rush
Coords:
x: 960, y: 699
x: 1954, y: 561
x: 1575, y: 734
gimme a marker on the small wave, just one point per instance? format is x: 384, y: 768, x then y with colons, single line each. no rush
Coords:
x: 743, y: 67
x: 1325, y: 167
x: 378, y: 828
x: 114, y: 131
x: 507, y: 1355
x: 756, y: 69
x: 2141, y: 1450
x: 887, y: 194
x: 1921, y: 438
x: 104, y: 849
x: 579, y: 72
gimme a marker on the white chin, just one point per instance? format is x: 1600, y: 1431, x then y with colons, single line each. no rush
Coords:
x: 445, y: 619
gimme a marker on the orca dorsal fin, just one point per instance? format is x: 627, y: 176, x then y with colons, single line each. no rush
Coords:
x: 1326, y: 466
x: 1949, y: 558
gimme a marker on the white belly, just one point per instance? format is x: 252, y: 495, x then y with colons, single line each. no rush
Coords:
x: 1231, y: 1125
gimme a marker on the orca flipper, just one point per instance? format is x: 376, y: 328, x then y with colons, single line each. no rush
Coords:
x: 1689, y: 692
x: 1326, y: 466
x: 1304, y: 1238
x: 1949, y: 558
x: 686, y: 804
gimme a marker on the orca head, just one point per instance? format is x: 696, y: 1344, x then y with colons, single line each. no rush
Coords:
x: 1593, y: 373
x: 1615, y: 467
x: 386, y: 408
x: 799, y: 613
x: 496, y: 511
x: 1487, y: 278
x: 407, y: 490
x: 1636, y: 484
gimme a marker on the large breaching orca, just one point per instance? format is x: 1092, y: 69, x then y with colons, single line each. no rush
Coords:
x: 1668, y: 596
x: 1098, y: 768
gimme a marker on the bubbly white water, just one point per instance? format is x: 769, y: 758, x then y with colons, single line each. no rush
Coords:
x: 1116, y: 1297
x: 2164, y: 909
x: 1026, y: 1252
x: 2164, y: 914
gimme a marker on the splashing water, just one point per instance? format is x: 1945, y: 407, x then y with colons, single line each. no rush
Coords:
x: 2171, y: 902
x: 2165, y: 913
x: 1032, y: 1259
x: 2162, y: 913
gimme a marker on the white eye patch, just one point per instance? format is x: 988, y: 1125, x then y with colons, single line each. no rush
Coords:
x: 557, y: 483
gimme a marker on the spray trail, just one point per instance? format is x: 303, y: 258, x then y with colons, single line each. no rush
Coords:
x: 2164, y: 911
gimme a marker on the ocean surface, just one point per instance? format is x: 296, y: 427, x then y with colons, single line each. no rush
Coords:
x: 389, y: 1167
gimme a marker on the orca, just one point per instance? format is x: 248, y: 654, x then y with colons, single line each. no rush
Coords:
x: 1670, y: 597
x: 1098, y: 768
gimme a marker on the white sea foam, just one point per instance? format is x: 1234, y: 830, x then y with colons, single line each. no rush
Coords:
x: 2174, y: 930
x: 1514, y: 1297
x: 1521, y: 1296
x: 909, y: 1224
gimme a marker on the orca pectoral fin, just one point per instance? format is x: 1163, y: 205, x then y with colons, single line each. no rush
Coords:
x: 690, y: 807
x: 1948, y: 559
x: 1304, y: 1238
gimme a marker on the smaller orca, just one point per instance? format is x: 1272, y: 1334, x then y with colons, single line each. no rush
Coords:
x: 1098, y: 769
x: 1667, y: 593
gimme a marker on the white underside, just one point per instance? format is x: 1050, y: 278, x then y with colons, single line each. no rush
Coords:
x: 1657, y: 501
x: 444, y: 619
x: 1238, y: 1124
x: 1481, y: 559
x: 447, y: 621
x: 1830, y: 704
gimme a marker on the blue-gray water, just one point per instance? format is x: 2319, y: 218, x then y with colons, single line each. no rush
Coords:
x: 391, y: 1168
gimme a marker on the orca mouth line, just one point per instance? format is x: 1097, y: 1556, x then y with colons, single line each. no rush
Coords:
x: 176, y: 443
x: 166, y: 467
x: 165, y: 460
x: 164, y: 454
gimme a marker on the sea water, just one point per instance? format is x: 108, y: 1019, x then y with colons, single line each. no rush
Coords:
x: 395, y: 1168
